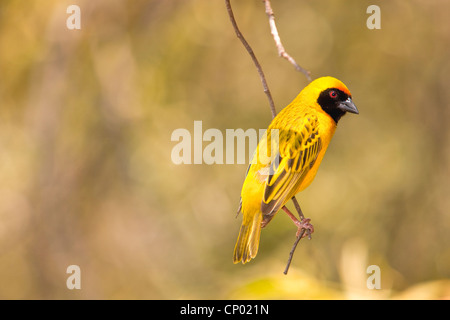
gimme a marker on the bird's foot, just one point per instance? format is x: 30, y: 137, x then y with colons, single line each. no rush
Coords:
x: 304, y: 224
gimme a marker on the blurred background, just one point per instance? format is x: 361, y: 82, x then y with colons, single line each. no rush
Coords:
x: 86, y: 118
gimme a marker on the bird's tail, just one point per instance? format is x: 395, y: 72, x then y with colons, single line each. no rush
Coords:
x: 248, y: 240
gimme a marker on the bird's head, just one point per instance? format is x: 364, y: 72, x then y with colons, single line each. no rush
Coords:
x: 332, y: 96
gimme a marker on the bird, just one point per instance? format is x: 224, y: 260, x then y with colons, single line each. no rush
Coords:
x: 299, y: 137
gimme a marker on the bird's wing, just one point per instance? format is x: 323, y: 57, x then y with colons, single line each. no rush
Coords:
x: 298, y: 150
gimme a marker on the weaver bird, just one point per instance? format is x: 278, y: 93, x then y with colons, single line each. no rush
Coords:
x: 299, y: 137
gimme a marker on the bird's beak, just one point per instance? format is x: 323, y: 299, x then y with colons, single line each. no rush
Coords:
x: 348, y: 106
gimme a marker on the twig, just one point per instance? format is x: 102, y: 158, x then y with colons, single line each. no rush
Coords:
x: 299, y: 237
x: 281, y: 51
x: 291, y: 254
x: 297, y: 207
x: 252, y: 55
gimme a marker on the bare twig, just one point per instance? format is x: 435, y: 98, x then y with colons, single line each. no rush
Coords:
x: 299, y: 235
x: 252, y: 55
x: 291, y: 254
x: 281, y: 51
x: 297, y: 207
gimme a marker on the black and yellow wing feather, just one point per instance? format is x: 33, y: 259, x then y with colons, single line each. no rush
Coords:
x: 297, y: 152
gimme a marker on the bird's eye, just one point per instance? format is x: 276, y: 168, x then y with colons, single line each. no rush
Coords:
x: 333, y: 94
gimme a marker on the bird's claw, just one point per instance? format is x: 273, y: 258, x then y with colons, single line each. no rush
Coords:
x: 304, y: 225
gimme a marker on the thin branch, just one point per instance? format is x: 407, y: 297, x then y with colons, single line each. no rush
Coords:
x: 299, y: 234
x: 281, y: 51
x: 297, y: 207
x: 291, y: 254
x: 252, y: 55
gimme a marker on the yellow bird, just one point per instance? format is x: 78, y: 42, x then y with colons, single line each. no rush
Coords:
x: 299, y: 136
